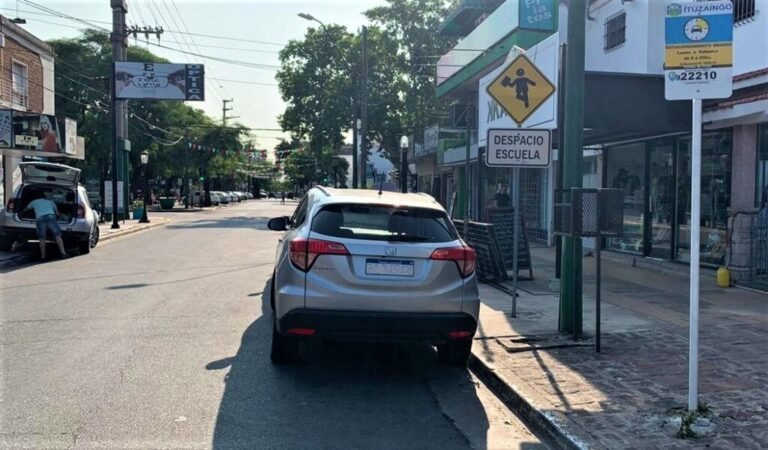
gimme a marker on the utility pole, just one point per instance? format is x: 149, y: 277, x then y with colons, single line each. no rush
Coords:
x: 224, y: 110
x: 571, y: 157
x: 364, y: 111
x: 119, y: 110
x: 355, y: 124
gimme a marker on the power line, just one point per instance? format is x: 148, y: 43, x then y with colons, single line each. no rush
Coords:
x: 211, y: 36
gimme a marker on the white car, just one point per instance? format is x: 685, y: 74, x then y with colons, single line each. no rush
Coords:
x: 60, y: 183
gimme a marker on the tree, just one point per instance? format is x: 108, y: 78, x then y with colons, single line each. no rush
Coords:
x: 414, y: 25
x: 315, y: 82
x: 320, y: 73
x: 164, y: 128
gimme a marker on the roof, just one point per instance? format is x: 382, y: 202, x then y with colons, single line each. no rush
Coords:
x: 24, y: 37
x: 371, y: 196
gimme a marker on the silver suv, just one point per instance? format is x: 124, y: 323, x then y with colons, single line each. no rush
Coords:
x: 60, y: 183
x: 364, y: 265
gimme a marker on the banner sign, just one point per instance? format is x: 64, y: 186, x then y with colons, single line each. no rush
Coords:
x: 155, y: 81
x: 698, y: 60
x: 538, y: 15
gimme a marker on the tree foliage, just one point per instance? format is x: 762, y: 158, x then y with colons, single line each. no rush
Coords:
x: 322, y: 72
x: 166, y: 129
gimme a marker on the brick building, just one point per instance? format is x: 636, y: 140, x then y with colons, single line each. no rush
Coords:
x: 26, y: 84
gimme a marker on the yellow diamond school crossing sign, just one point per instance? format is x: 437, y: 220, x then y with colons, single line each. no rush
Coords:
x: 520, y: 89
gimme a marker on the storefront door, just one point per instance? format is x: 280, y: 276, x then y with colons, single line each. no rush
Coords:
x: 656, y: 178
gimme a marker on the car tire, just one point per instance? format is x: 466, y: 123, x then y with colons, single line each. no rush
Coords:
x: 455, y: 353
x: 6, y: 244
x: 272, y: 293
x: 285, y: 349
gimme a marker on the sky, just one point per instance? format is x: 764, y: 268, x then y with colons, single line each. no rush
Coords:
x: 273, y: 23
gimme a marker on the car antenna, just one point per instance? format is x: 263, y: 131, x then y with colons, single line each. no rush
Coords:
x: 381, y: 184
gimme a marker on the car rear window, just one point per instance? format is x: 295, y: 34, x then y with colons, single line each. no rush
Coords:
x: 384, y: 223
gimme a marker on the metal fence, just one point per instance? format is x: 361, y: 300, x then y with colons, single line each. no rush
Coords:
x: 759, y: 254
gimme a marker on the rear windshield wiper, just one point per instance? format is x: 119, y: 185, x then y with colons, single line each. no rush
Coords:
x: 408, y: 238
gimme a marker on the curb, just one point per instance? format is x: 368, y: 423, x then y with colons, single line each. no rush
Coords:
x: 121, y: 233
x: 542, y: 425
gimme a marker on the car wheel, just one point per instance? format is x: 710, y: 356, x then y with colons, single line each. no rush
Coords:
x: 95, y: 234
x: 285, y: 349
x: 455, y: 353
x: 272, y: 293
x: 6, y: 244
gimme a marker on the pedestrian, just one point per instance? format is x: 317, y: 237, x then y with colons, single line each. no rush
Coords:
x: 501, y: 199
x: 282, y: 198
x: 46, y: 219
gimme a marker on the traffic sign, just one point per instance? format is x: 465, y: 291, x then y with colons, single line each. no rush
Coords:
x: 698, y: 61
x: 520, y: 89
x: 518, y: 147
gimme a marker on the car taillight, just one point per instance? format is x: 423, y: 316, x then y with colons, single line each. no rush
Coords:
x: 11, y: 205
x: 464, y: 257
x: 304, y: 252
x: 80, y: 212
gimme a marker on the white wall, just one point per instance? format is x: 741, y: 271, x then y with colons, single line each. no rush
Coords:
x: 750, y: 42
x: 642, y: 52
x: 49, y: 98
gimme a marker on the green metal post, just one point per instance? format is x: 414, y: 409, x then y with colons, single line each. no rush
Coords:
x: 571, y: 156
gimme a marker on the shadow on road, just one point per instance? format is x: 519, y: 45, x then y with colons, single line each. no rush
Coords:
x: 341, y: 395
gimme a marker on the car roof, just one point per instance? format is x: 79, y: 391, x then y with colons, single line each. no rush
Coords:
x: 327, y: 196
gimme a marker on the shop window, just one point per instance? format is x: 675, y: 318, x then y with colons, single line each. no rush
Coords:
x: 625, y: 170
x: 761, y: 197
x: 743, y: 10
x: 715, y: 197
x: 615, y: 31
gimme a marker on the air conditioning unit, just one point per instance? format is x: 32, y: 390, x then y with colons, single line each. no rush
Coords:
x: 2, y: 40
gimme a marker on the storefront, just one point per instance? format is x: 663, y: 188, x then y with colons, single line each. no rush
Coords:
x: 761, y: 194
x: 655, y: 176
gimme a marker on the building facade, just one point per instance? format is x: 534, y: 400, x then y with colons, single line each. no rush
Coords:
x: 26, y: 84
x: 634, y: 139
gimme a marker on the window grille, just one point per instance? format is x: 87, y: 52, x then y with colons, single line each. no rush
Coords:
x: 615, y: 31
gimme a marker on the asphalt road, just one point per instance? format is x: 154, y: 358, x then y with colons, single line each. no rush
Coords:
x: 160, y: 339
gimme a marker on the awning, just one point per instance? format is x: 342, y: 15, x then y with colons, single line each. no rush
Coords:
x: 622, y: 107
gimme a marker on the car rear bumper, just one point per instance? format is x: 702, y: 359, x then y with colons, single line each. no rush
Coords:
x: 434, y: 328
x: 27, y: 234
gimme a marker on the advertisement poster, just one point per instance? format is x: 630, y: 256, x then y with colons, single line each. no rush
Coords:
x: 70, y: 136
x: 6, y: 129
x: 155, y: 81
x: 36, y: 132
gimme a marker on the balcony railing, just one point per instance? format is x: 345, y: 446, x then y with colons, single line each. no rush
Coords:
x: 12, y: 98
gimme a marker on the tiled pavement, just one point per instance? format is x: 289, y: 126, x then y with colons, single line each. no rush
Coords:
x: 632, y: 394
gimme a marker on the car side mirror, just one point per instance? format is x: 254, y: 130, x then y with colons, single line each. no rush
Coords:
x: 278, y: 224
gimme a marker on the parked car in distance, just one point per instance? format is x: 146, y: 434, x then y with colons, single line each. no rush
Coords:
x: 356, y: 264
x: 233, y: 197
x: 60, y: 183
x: 272, y: 195
x: 215, y: 199
x: 223, y: 197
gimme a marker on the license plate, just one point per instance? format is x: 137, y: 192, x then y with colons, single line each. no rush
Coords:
x: 389, y: 267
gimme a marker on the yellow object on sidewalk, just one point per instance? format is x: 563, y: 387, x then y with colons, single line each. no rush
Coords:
x: 723, y: 277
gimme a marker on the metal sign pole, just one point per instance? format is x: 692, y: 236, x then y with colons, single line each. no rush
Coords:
x: 598, y: 271
x: 515, y: 239
x: 693, y: 359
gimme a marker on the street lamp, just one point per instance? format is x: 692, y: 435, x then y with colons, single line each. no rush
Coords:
x: 144, y: 161
x: 311, y: 18
x: 404, y: 164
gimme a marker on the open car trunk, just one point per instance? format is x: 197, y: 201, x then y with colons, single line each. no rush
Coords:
x: 62, y: 196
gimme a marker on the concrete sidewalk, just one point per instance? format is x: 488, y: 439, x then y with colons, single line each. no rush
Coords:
x: 633, y: 393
